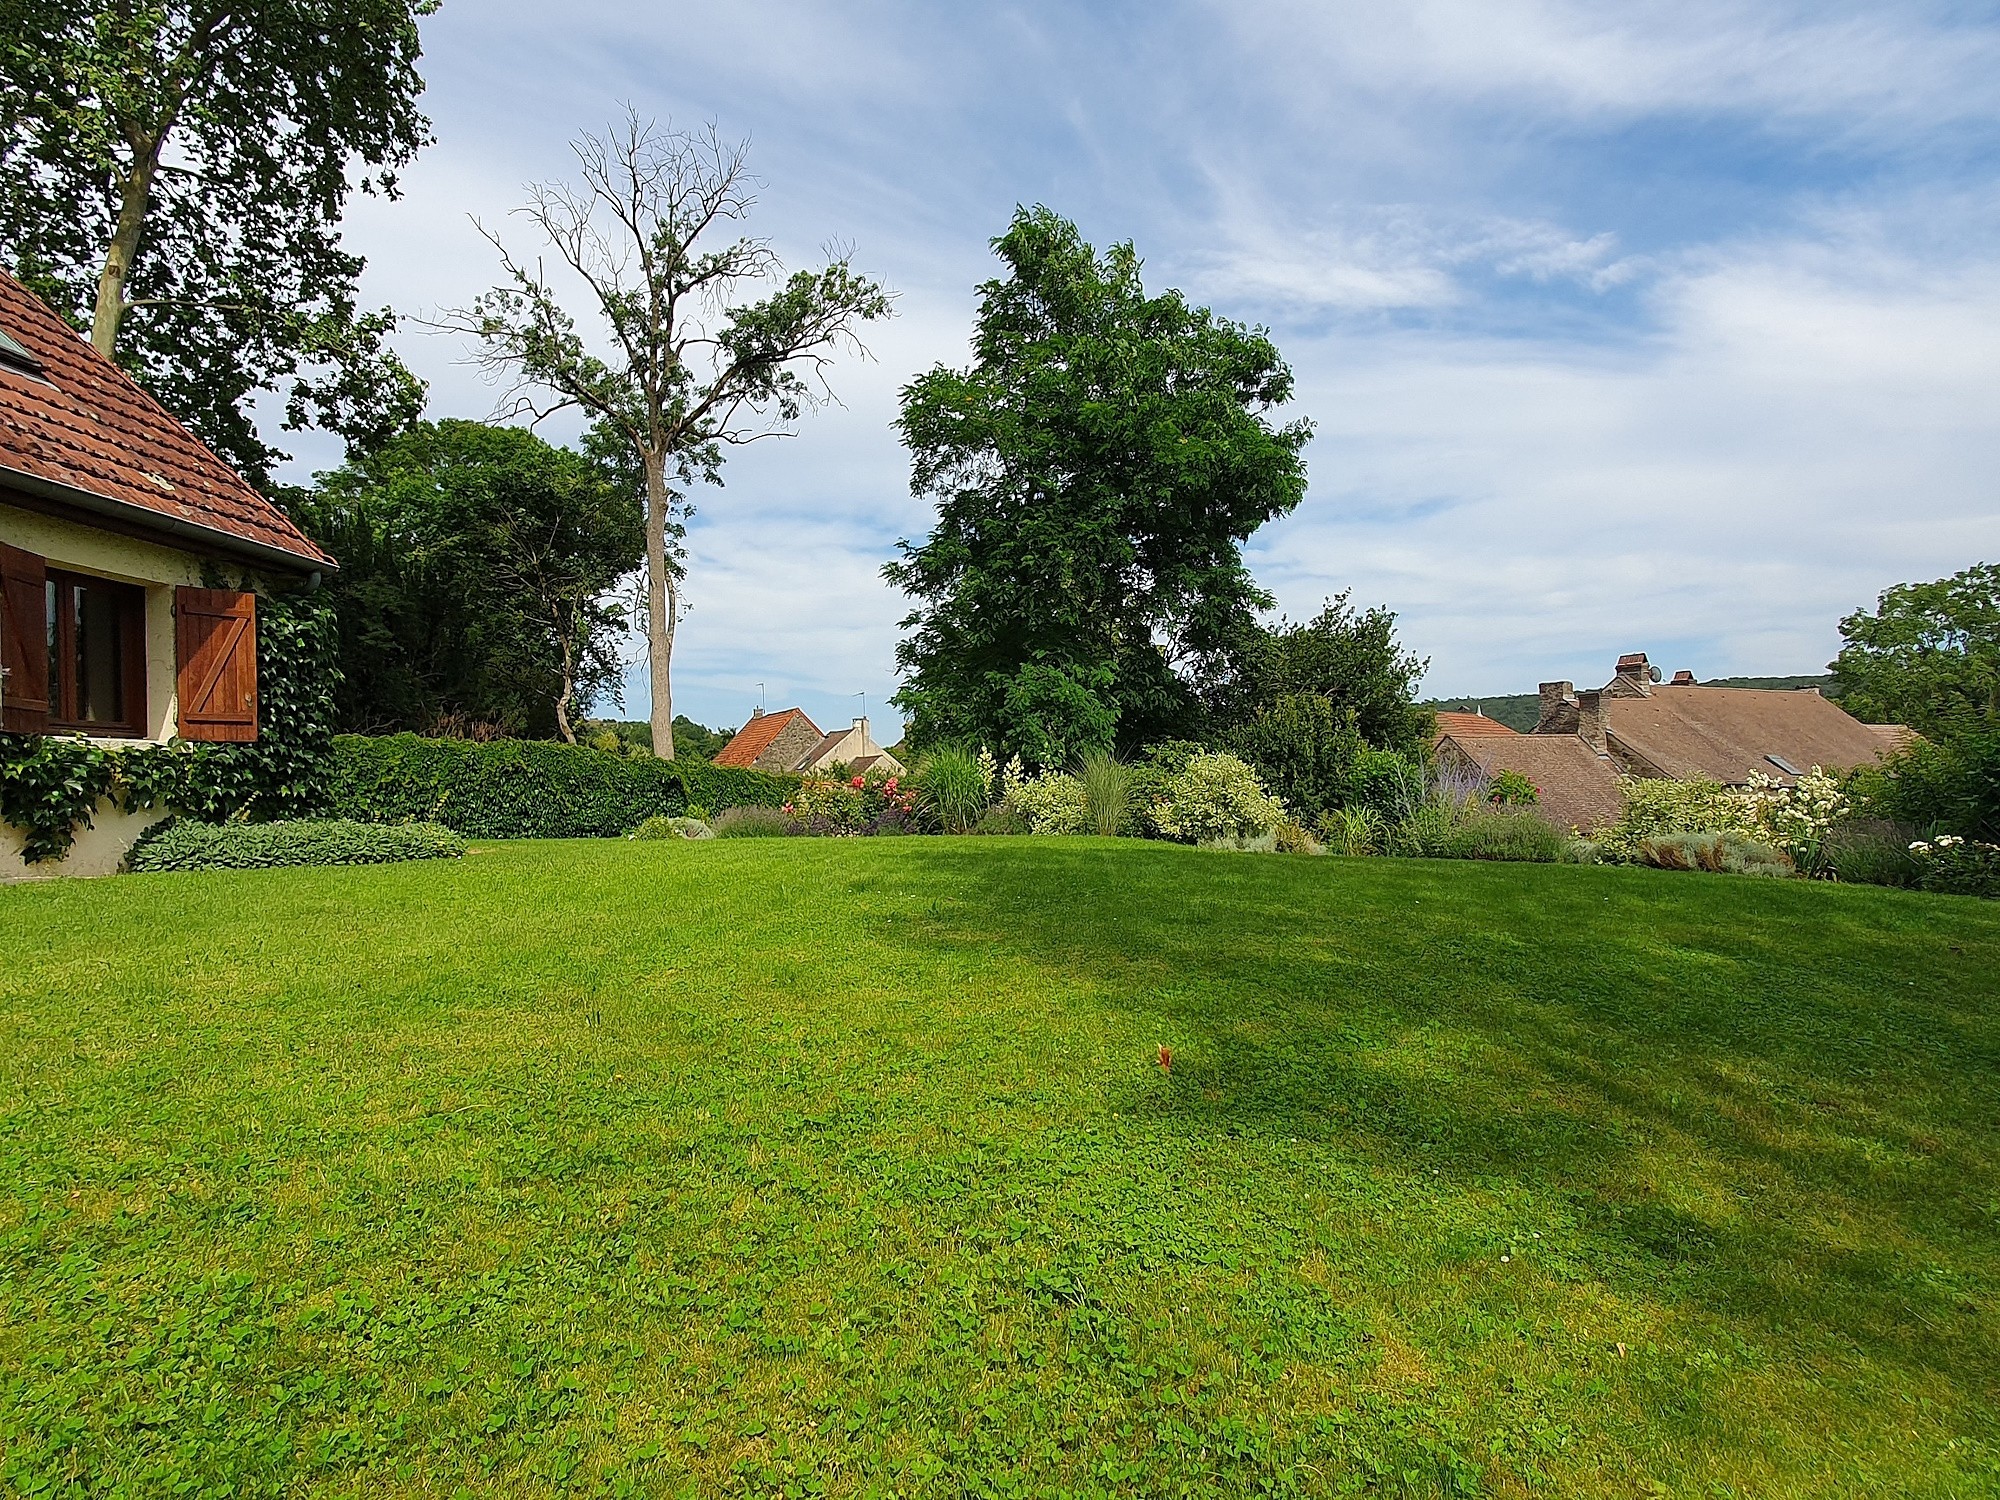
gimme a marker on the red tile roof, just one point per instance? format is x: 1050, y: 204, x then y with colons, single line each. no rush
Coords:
x: 754, y: 738
x: 85, y: 425
x: 1461, y: 724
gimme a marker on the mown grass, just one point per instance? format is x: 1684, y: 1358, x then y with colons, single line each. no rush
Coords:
x: 847, y: 1168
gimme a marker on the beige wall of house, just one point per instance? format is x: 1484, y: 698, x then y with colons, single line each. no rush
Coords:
x: 101, y: 848
x: 105, y: 554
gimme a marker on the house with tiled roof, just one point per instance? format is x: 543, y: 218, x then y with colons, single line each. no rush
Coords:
x: 1585, y: 742
x: 130, y: 561
x: 789, y: 741
x: 1461, y: 725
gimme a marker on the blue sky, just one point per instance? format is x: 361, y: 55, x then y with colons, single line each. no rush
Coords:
x: 1672, y: 327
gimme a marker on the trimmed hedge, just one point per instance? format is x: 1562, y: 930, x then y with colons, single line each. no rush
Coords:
x: 184, y: 845
x: 530, y: 789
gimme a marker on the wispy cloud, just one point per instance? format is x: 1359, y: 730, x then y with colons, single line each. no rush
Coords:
x: 1672, y: 326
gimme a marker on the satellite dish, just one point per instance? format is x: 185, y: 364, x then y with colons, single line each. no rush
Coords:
x: 1655, y: 673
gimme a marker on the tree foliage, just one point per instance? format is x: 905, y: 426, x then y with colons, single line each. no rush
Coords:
x: 690, y: 371
x: 1096, y: 470
x: 172, y: 178
x: 1347, y: 656
x: 1928, y: 656
x: 476, y: 570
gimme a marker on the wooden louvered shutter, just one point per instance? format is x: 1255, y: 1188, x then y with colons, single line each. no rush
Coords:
x: 24, y: 641
x: 215, y: 648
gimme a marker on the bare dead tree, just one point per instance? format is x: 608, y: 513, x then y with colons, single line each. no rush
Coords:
x: 689, y: 371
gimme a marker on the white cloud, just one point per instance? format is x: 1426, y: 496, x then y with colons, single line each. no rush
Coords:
x: 1562, y: 411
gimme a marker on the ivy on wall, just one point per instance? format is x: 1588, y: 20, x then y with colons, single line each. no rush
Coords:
x: 50, y: 785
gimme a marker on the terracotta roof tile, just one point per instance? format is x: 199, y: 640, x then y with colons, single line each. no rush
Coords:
x: 754, y: 738
x: 87, y: 425
x: 1462, y: 724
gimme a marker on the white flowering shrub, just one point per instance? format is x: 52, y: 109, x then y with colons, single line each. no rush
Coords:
x: 1798, y: 818
x: 1216, y: 797
x: 1049, y: 803
x: 1958, y: 866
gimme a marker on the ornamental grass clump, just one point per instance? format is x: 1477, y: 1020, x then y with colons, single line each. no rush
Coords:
x: 1353, y: 831
x: 1107, y: 793
x: 752, y: 823
x: 1717, y: 853
x: 1215, y: 798
x: 955, y: 789
x: 1657, y: 808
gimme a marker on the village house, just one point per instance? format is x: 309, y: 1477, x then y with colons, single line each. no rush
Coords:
x: 789, y: 741
x: 130, y: 556
x: 1583, y: 743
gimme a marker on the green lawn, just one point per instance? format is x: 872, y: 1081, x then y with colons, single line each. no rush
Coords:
x: 847, y: 1167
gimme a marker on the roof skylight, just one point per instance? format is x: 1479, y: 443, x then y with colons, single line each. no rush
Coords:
x: 15, y: 356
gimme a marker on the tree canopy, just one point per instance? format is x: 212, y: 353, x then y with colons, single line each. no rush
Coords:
x: 691, y: 372
x: 172, y: 179
x: 1347, y: 656
x: 1928, y: 656
x: 476, y: 568
x: 1096, y: 470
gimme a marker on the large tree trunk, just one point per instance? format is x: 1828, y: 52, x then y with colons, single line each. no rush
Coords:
x: 662, y: 599
x: 134, y: 195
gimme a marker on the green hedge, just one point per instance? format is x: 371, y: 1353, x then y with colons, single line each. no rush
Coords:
x: 184, y: 845
x: 529, y: 789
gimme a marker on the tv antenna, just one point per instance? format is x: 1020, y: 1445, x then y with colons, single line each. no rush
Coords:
x: 760, y: 697
x: 864, y: 703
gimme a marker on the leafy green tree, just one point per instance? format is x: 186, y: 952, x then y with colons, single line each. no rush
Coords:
x: 1096, y: 470
x: 1928, y: 657
x: 475, y: 589
x: 1347, y: 656
x: 1304, y: 748
x: 172, y: 178
x: 690, y: 373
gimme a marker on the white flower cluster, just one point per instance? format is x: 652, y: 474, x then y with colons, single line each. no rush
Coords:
x: 1925, y: 848
x: 1001, y: 780
x: 1798, y: 817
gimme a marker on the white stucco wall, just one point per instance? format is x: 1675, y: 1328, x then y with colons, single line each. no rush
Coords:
x: 99, y: 849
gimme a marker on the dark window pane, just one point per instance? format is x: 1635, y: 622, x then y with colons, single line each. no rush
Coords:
x: 58, y: 671
x: 100, y: 655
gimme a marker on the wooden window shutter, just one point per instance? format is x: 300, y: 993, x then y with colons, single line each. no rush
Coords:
x: 215, y: 649
x: 24, y: 641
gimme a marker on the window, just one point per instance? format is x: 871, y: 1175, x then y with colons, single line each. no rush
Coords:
x: 15, y: 356
x: 97, y: 655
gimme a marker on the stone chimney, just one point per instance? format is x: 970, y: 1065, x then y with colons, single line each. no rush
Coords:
x: 1555, y: 700
x: 868, y: 745
x: 1684, y: 678
x: 756, y: 713
x: 1635, y: 677
x: 1591, y: 721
